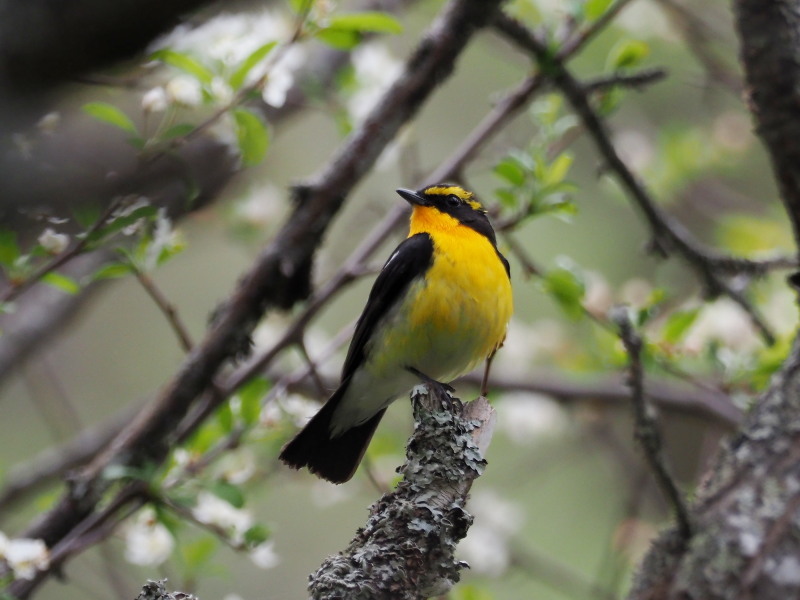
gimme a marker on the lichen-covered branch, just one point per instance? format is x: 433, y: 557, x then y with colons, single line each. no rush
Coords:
x: 406, y: 549
x: 747, y: 513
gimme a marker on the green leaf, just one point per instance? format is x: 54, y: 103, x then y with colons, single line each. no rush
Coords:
x: 256, y: 535
x: 185, y: 63
x: 373, y: 22
x: 111, y: 271
x: 678, y: 324
x: 250, y: 396
x: 9, y: 249
x: 62, y: 282
x: 628, y: 53
x: 557, y: 169
x: 108, y: 113
x: 507, y: 198
x: 177, y: 131
x: 511, y: 170
x: 339, y: 39
x: 123, y: 221
x: 567, y: 289
x: 345, y: 31
x: 252, y: 134
x: 240, y: 74
x: 593, y: 9
x: 232, y: 494
x: 197, y: 553
x: 225, y: 417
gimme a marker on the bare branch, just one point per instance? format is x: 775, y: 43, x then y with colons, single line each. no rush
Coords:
x: 646, y: 429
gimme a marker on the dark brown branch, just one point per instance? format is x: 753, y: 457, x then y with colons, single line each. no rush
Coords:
x: 746, y: 545
x: 668, y: 234
x: 770, y: 42
x: 646, y: 428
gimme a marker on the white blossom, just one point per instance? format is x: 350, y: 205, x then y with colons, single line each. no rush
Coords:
x: 280, y: 76
x: 264, y: 556
x: 598, y: 297
x: 486, y: 550
x: 155, y: 100
x: 147, y: 541
x: 261, y: 208
x: 49, y: 122
x: 375, y: 69
x: 184, y: 91
x: 24, y: 556
x: 635, y: 149
x: 52, y: 242
x: 237, y: 466
x: 215, y: 511
x: 222, y: 92
x: 725, y: 322
x: 165, y: 238
x: 526, y: 418
x: 229, y: 38
x: 299, y: 408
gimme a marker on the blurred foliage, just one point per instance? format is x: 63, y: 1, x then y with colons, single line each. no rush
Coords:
x: 689, y: 139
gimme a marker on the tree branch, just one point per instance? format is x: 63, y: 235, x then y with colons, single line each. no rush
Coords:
x: 406, y: 549
x: 668, y: 234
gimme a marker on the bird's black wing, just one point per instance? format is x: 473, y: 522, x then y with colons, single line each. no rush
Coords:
x: 410, y: 260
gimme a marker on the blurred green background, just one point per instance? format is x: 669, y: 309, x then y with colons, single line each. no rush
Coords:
x: 570, y: 493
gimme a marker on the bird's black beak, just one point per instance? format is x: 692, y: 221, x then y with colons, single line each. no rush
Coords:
x: 412, y: 197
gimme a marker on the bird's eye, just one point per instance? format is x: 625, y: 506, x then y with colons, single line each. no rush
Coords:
x: 453, y: 200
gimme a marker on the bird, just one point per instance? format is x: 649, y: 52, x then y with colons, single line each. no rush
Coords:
x: 440, y: 305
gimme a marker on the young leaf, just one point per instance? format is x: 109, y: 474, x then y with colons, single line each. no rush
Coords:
x: 339, y: 39
x: 345, y: 31
x: 628, y: 53
x: 250, y: 396
x: 240, y: 74
x: 511, y: 170
x: 567, y: 289
x: 256, y: 535
x: 185, y: 63
x: 557, y: 170
x: 108, y: 113
x: 678, y: 324
x: 9, y: 249
x: 111, y: 271
x: 593, y: 9
x: 177, y: 131
x: 252, y: 134
x: 62, y: 282
x: 373, y: 22
x: 232, y: 494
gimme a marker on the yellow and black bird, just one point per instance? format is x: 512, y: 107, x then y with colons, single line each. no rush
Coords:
x: 440, y: 306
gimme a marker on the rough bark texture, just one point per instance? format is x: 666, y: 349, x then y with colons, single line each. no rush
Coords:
x: 747, y: 513
x: 406, y: 549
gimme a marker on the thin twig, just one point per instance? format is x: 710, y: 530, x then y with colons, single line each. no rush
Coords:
x: 166, y: 307
x: 76, y: 248
x: 646, y: 429
x: 668, y: 234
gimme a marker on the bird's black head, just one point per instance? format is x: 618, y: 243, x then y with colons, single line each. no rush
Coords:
x: 454, y: 201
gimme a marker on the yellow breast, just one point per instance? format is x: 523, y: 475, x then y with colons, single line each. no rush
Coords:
x: 456, y: 315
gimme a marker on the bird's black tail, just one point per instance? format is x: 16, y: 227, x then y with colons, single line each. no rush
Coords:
x: 335, y: 459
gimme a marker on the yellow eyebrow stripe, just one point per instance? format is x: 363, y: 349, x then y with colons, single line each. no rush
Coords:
x: 446, y: 190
